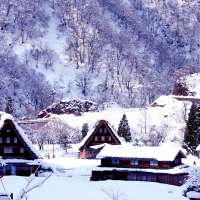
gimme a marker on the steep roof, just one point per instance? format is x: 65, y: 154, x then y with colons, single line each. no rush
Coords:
x: 24, y: 139
x: 158, y: 153
x: 92, y: 132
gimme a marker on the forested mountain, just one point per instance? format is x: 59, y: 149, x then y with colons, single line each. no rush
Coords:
x: 128, y: 51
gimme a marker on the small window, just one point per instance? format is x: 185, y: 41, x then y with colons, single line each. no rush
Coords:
x: 8, y: 130
x: 115, y: 161
x: 102, y: 138
x: 15, y: 139
x: 7, y: 140
x: 1, y: 140
x: 100, y: 130
x: 21, y: 150
x: 134, y: 162
x: 8, y: 150
x: 109, y: 138
x: 96, y: 138
x: 176, y: 161
x: 153, y: 162
x: 105, y: 130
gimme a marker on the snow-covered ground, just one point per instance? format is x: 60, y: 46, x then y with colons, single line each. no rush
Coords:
x: 72, y: 181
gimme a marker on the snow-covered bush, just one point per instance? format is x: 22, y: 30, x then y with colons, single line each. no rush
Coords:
x: 193, y: 181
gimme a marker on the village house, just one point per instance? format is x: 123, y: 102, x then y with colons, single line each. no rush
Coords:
x: 18, y: 155
x: 95, y: 140
x: 154, y: 164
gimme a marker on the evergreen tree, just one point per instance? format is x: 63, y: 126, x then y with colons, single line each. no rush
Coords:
x: 192, y: 132
x: 84, y: 130
x: 124, y: 129
x: 9, y: 106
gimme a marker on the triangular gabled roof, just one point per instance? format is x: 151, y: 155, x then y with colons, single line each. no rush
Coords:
x: 7, y: 118
x: 87, y: 139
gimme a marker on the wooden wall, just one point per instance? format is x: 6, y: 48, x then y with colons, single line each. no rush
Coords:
x: 107, y: 162
x: 10, y: 132
x: 172, y: 179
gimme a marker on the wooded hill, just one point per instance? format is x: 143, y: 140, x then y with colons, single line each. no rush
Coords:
x: 130, y: 51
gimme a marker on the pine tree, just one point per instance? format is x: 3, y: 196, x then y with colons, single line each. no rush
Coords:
x: 124, y: 129
x: 192, y: 132
x: 84, y: 130
x: 9, y: 106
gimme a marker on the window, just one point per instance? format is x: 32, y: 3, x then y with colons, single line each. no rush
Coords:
x: 1, y: 140
x: 115, y: 161
x: 176, y: 161
x: 153, y: 162
x: 7, y: 140
x: 134, y: 162
x: 102, y: 138
x: 21, y: 150
x: 88, y: 151
x: 8, y: 150
x: 100, y: 130
x: 105, y: 130
x: 96, y: 138
x: 109, y: 138
x: 15, y: 139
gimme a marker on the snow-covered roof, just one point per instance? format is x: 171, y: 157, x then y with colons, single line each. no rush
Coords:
x: 22, y: 161
x: 158, y: 153
x: 198, y: 148
x: 97, y: 146
x: 6, y: 116
x: 92, y: 130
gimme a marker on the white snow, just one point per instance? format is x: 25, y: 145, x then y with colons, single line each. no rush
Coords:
x: 72, y: 181
x: 193, y: 194
x: 158, y: 153
x: 192, y: 83
x: 198, y: 148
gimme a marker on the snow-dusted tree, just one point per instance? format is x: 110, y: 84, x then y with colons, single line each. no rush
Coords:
x: 83, y: 82
x: 124, y: 129
x: 9, y: 106
x: 157, y: 134
x: 31, y: 184
x: 36, y: 55
x: 192, y: 183
x: 192, y: 132
x: 84, y: 130
x: 49, y: 57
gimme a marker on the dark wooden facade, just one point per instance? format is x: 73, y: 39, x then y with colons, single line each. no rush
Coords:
x: 141, y: 162
x: 172, y: 179
x: 13, y: 146
x: 101, y: 134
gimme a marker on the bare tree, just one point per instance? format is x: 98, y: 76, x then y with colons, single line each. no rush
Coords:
x: 114, y: 194
x: 83, y: 82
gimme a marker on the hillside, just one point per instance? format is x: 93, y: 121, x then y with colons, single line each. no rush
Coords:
x: 129, y: 52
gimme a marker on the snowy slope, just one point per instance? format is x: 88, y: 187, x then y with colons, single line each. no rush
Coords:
x: 171, y: 113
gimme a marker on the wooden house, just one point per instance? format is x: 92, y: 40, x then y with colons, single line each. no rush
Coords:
x: 141, y: 157
x: 18, y: 155
x: 154, y: 164
x: 95, y: 140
